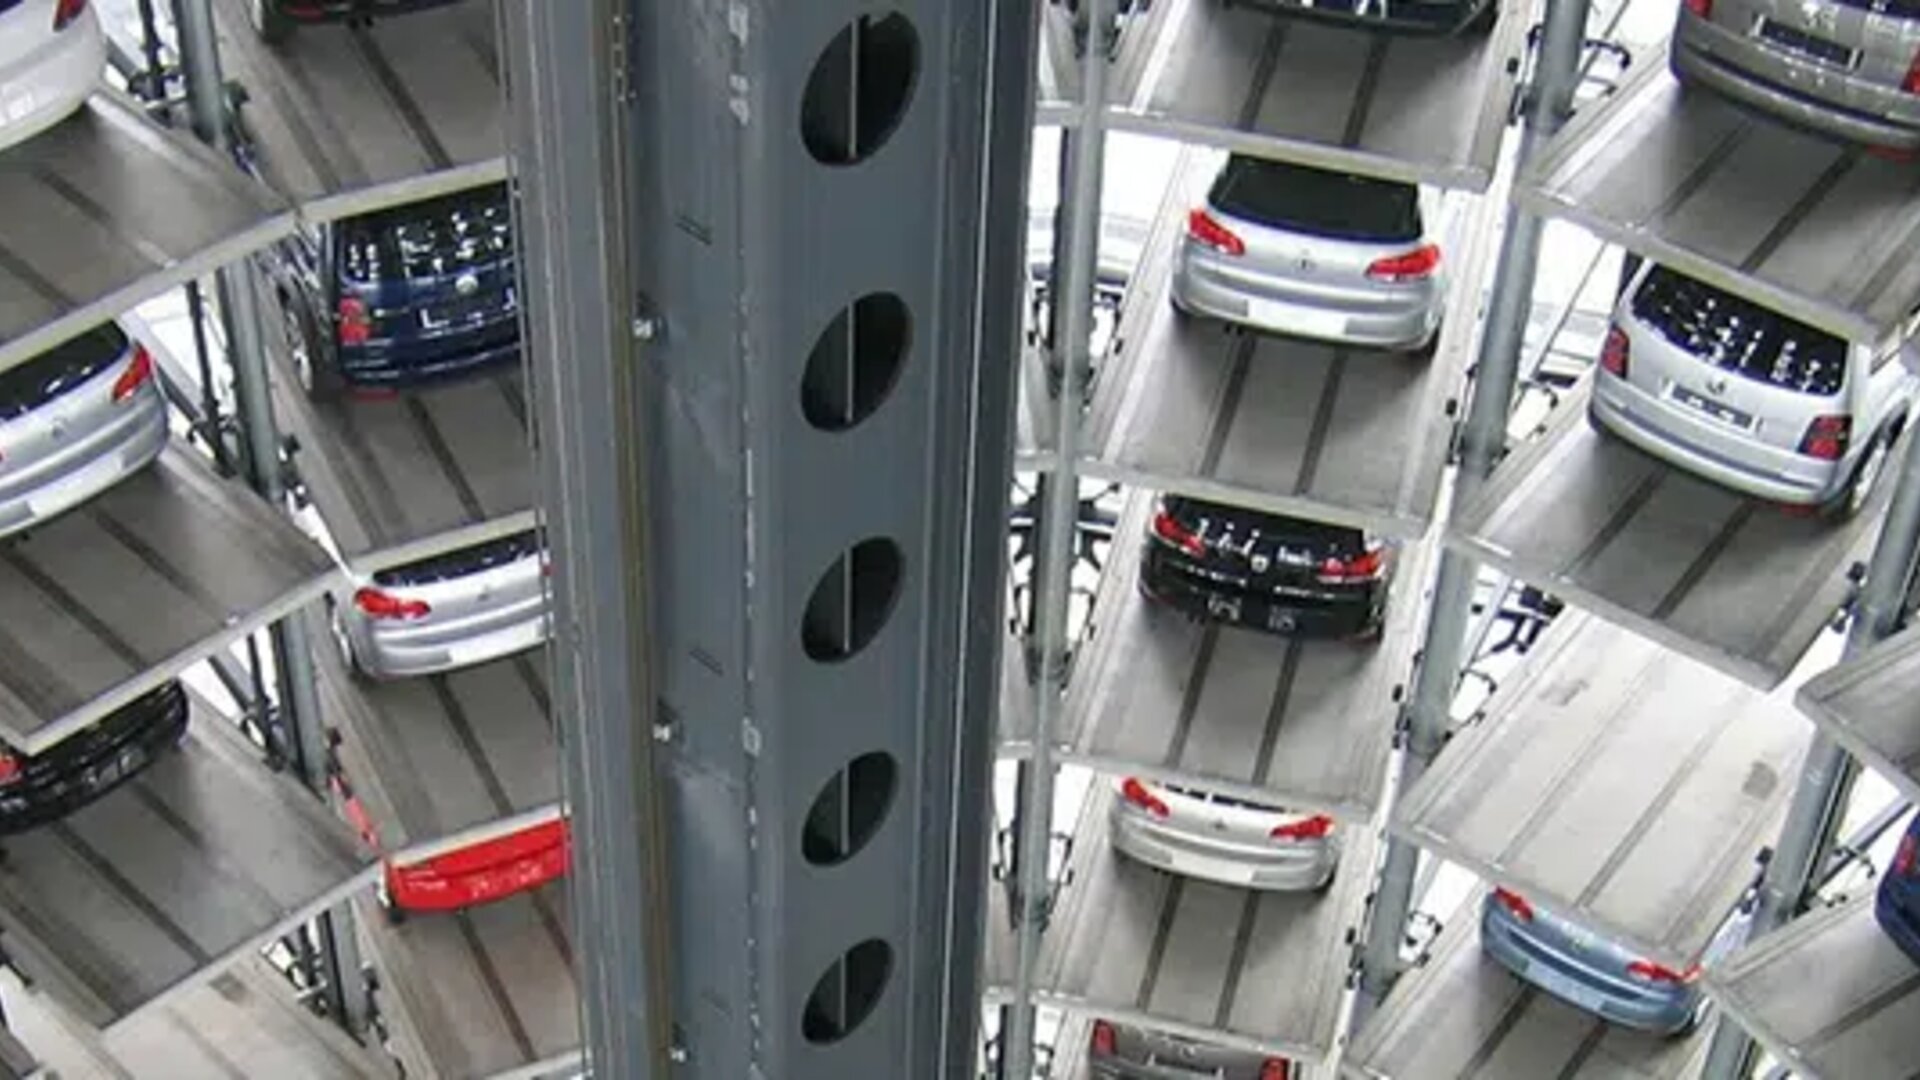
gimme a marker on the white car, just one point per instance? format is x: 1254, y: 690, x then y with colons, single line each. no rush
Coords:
x: 447, y: 611
x: 1215, y: 837
x: 51, y: 56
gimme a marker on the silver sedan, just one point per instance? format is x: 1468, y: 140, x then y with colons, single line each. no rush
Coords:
x: 448, y: 611
x: 75, y: 421
x: 1202, y: 834
x: 1289, y: 249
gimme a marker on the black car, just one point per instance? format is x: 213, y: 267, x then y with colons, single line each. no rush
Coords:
x: 273, y: 20
x: 50, y: 785
x: 1430, y: 18
x: 1265, y: 571
x: 402, y: 297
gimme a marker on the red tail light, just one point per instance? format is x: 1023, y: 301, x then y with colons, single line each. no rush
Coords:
x: 1911, y: 84
x: 1168, y: 530
x: 1313, y: 828
x: 1273, y: 1069
x: 1203, y: 228
x: 1613, y: 355
x: 1906, y: 861
x: 1515, y: 904
x: 1702, y: 8
x: 1365, y: 566
x: 1416, y: 264
x: 66, y: 11
x: 1136, y: 793
x: 139, y: 373
x: 1103, y: 1039
x: 1827, y: 437
x: 10, y: 767
x: 356, y: 326
x: 381, y: 605
x: 1648, y: 971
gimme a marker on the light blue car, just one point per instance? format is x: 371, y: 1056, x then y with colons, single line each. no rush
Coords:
x: 1586, y: 970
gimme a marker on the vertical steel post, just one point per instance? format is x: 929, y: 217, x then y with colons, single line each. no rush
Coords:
x: 1072, y: 290
x: 772, y: 256
x: 260, y: 441
x: 1820, y: 794
x: 1549, y: 102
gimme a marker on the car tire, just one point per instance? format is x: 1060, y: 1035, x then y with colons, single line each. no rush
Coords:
x: 343, y: 644
x: 270, y: 21
x: 318, y: 379
x: 1866, y: 477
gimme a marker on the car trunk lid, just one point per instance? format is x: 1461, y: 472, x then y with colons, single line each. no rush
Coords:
x: 429, y: 267
x: 49, y: 402
x: 1874, y: 39
x: 1266, y: 550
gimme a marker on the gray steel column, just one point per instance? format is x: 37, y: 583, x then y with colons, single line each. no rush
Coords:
x: 1821, y: 792
x: 773, y: 401
x: 1072, y: 292
x: 1483, y: 438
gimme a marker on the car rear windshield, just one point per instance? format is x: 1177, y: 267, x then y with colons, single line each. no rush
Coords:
x: 1318, y: 202
x: 1320, y: 534
x: 489, y: 555
x: 428, y: 239
x: 1740, y: 336
x: 1893, y: 9
x: 52, y: 373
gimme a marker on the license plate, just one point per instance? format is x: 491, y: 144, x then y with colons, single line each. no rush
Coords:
x: 1819, y: 48
x: 436, y: 316
x: 1561, y: 986
x: 1720, y: 411
x: 1299, y: 320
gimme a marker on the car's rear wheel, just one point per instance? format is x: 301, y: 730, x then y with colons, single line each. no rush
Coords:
x: 270, y: 23
x: 343, y: 643
x: 318, y: 380
x: 1866, y: 477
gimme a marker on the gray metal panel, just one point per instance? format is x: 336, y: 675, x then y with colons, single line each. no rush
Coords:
x: 570, y: 1065
x: 116, y: 597
x: 351, y: 119
x: 438, y: 755
x: 1814, y: 228
x: 1309, y: 721
x: 108, y: 209
x: 1462, y: 1017
x: 482, y: 992
x: 1829, y: 995
x: 16, y: 1061
x: 1265, y: 971
x: 415, y: 475
x: 154, y: 889
x: 1740, y: 585
x: 1618, y: 782
x: 1867, y: 705
x: 1427, y: 109
x: 1349, y: 435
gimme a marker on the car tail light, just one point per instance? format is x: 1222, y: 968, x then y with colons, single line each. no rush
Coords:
x: 1827, y: 437
x: 1103, y: 1039
x: 1648, y: 971
x: 1516, y: 904
x: 356, y: 326
x: 139, y: 372
x: 1313, y: 828
x: 10, y: 767
x: 66, y: 11
x: 1702, y: 8
x: 1136, y: 793
x: 1273, y: 1069
x: 384, y: 605
x: 1204, y: 228
x: 1906, y: 861
x: 1365, y: 566
x: 1168, y: 530
x: 1413, y: 266
x: 1911, y: 84
x: 1613, y: 355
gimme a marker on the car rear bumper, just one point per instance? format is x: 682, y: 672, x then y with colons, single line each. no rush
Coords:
x: 1120, y: 1069
x: 56, y: 484
x: 52, y: 83
x: 1899, y: 922
x: 1805, y: 92
x: 1567, y: 978
x: 76, y: 780
x: 425, y: 362
x: 397, y: 650
x: 1273, y: 867
x: 1384, y: 317
x: 1672, y: 434
x: 1356, y: 611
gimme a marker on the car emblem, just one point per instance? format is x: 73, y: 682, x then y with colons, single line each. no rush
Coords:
x: 1717, y: 385
x: 466, y: 284
x: 1260, y: 564
x: 58, y: 429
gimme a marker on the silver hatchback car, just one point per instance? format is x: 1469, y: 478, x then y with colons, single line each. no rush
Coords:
x: 1749, y: 398
x: 75, y: 421
x: 1849, y: 68
x: 1586, y: 970
x: 1290, y: 249
x: 1203, y: 834
x: 449, y: 611
x: 1125, y: 1052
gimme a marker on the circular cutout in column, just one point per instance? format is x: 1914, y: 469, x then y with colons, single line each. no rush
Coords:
x: 851, y: 601
x: 859, y: 88
x: 845, y: 996
x: 855, y: 362
x: 849, y: 810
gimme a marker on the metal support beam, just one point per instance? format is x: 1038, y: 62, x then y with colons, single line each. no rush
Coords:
x: 772, y: 256
x: 1549, y: 102
x: 1822, y: 791
x: 1072, y: 292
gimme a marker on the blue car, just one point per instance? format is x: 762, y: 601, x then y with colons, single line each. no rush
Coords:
x: 1897, y: 905
x: 1586, y: 970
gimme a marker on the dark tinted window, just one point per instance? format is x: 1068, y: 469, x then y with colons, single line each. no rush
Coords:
x: 53, y: 373
x: 468, y: 560
x: 1315, y: 201
x: 1318, y: 533
x: 1740, y: 336
x: 428, y: 239
x: 1898, y: 9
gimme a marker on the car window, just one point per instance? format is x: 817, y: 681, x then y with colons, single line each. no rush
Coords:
x: 1190, y: 511
x: 58, y: 370
x: 461, y: 562
x: 427, y: 239
x: 1735, y: 334
x: 1315, y: 201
